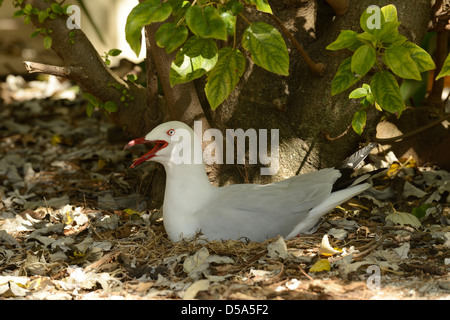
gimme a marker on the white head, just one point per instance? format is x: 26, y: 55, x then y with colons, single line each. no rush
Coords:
x: 174, y: 143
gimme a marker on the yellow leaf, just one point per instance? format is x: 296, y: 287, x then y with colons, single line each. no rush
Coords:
x: 56, y: 139
x: 101, y: 164
x: 131, y: 212
x: 394, y: 169
x: 321, y: 265
x: 67, y: 214
x: 134, y: 215
x: 77, y: 255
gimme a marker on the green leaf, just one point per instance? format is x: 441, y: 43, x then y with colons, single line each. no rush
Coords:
x: 56, y: 8
x: 363, y: 60
x: 225, y: 75
x: 144, y: 13
x: 421, y: 210
x: 235, y: 6
x: 42, y: 16
x: 359, y: 121
x: 346, y: 39
x: 344, y: 77
x: 358, y: 93
x: 386, y: 92
x: 91, y: 99
x: 261, y: 5
x: 370, y: 99
x: 399, y: 41
x: 18, y: 13
x: 89, y: 109
x: 114, y: 52
x: 35, y: 33
x: 28, y: 8
x: 230, y: 21
x: 179, y: 8
x: 368, y: 38
x: 398, y: 59
x: 267, y: 47
x: 388, y: 32
x: 198, y: 56
x: 170, y: 36
x: 110, y: 106
x: 206, y: 22
x: 445, y: 71
x: 131, y: 77
x: 47, y: 42
x: 371, y: 19
x: 390, y: 13
x: 422, y: 58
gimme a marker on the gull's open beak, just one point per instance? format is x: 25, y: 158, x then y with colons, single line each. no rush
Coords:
x: 159, y: 145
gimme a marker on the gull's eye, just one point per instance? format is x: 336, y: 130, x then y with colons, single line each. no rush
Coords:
x: 171, y: 132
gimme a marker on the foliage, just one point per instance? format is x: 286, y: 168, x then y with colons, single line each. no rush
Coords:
x: 445, y: 71
x: 381, y: 46
x: 112, y: 53
x: 93, y: 102
x: 52, y: 13
x: 198, y: 54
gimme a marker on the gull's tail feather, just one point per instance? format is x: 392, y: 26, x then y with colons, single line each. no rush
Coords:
x: 348, y: 166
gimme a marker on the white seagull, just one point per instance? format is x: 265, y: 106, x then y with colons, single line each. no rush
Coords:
x: 241, y: 211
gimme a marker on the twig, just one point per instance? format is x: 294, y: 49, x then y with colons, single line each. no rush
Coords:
x: 65, y: 72
x: 304, y: 273
x: 412, y: 133
x: 329, y: 138
x: 374, y: 247
x: 107, y: 257
x: 318, y: 68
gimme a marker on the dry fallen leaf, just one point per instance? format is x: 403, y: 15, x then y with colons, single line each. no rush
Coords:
x: 191, y: 292
x: 326, y: 248
x: 278, y: 249
x: 321, y: 265
x: 404, y: 218
x: 195, y: 261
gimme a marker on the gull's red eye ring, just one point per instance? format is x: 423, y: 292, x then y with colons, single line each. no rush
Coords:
x: 171, y: 132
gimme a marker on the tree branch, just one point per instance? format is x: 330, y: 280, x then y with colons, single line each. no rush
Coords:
x: 412, y: 133
x: 317, y: 68
x: 36, y: 67
x: 84, y: 66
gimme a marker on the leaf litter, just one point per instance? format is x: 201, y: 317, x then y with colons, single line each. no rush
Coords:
x: 74, y: 224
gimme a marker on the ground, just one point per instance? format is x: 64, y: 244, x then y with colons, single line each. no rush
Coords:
x: 74, y: 223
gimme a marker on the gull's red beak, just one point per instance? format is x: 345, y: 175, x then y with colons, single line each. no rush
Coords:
x: 159, y: 145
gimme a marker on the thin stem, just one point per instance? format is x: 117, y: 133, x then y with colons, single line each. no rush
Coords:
x: 184, y: 18
x: 414, y: 132
x: 245, y: 19
x: 318, y: 68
